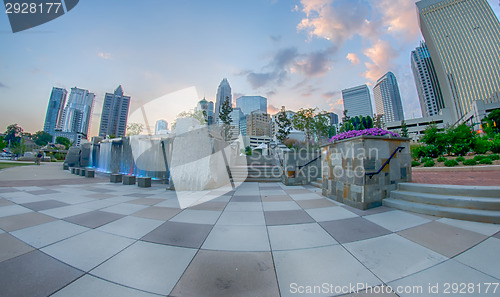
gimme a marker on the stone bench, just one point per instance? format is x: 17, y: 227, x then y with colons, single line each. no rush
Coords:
x: 115, y: 178
x: 77, y: 171
x: 65, y: 166
x: 89, y: 173
x: 82, y: 171
x: 73, y: 170
x: 144, y: 182
x: 128, y: 179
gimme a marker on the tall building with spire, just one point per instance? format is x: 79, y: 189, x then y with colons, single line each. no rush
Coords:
x: 463, y: 37
x: 55, y: 110
x: 78, y: 112
x: 388, y: 99
x: 223, y: 94
x: 114, y: 114
x: 426, y: 81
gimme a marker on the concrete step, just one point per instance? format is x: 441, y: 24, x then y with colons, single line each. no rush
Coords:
x: 485, y: 216
x: 486, y: 203
x: 452, y: 190
x: 316, y: 184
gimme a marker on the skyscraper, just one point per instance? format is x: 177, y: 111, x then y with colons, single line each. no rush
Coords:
x: 114, y: 114
x: 78, y: 112
x: 207, y: 107
x: 236, y: 125
x: 161, y: 127
x: 223, y: 93
x: 426, y: 81
x: 388, y: 99
x: 55, y: 110
x: 258, y: 124
x: 463, y: 37
x: 252, y: 103
x: 357, y: 101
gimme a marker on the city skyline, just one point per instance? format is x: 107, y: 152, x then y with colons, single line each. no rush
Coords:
x: 317, y: 50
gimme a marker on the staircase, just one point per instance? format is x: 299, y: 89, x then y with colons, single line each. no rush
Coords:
x: 257, y: 173
x: 317, y: 183
x: 472, y: 203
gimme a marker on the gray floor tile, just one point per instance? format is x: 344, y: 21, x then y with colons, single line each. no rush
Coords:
x: 237, y: 218
x: 300, y: 236
x: 87, y: 250
x: 89, y: 285
x: 42, y: 192
x: 315, y: 203
x: 396, y: 220
x: 217, y: 206
x: 8, y: 190
x: 11, y: 247
x: 315, y: 267
x: 367, y: 212
x: 273, y: 198
x: 237, y: 238
x: 197, y: 216
x: 482, y: 257
x: 353, y: 229
x: 146, y: 201
x: 132, y: 227
x: 308, y: 196
x: 98, y: 204
x: 138, y: 195
x: 392, y: 257
x: 228, y: 274
x: 497, y: 235
x: 25, y: 220
x: 448, y: 272
x: 179, y: 234
x: 48, y: 233
x: 43, y: 205
x: 125, y: 208
x: 280, y: 205
x: 5, y: 202
x: 482, y: 228
x: 11, y: 210
x: 157, y: 213
x: 287, y: 217
x: 147, y: 266
x: 444, y: 239
x: 244, y: 206
x: 65, y: 211
x: 330, y: 213
x: 100, y: 195
x: 297, y: 191
x: 246, y: 198
x: 34, y: 274
x: 94, y: 219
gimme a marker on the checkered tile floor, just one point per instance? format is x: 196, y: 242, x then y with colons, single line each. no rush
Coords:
x: 263, y: 239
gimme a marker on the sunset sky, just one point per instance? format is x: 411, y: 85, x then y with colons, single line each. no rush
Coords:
x: 295, y: 53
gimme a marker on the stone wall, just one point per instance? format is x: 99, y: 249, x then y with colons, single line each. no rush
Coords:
x: 346, y: 162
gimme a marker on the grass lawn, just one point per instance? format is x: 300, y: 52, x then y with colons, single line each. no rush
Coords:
x: 4, y: 165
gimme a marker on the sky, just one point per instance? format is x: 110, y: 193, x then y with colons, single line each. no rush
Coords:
x: 297, y: 53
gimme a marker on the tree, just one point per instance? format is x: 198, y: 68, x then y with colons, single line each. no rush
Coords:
x: 284, y: 125
x: 303, y: 120
x: 63, y: 140
x: 491, y: 123
x: 3, y: 144
x: 404, y: 129
x: 321, y: 126
x: 378, y: 121
x: 225, y: 117
x: 42, y: 138
x: 346, y: 118
x: 13, y: 134
x: 134, y: 129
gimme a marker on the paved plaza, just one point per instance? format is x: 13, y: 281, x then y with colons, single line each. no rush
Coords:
x: 262, y: 239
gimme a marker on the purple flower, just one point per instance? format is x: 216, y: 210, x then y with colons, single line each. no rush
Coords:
x: 371, y: 131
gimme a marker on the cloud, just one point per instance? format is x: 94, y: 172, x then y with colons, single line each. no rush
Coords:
x: 330, y: 94
x: 105, y: 56
x: 271, y: 109
x: 399, y: 17
x: 353, y: 58
x: 314, y: 64
x: 2, y: 85
x: 381, y: 55
x: 275, y: 38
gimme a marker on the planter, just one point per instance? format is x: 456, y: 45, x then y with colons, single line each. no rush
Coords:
x: 345, y: 165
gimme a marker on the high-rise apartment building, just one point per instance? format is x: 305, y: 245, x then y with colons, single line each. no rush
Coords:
x: 388, y: 99
x: 463, y: 37
x: 258, y: 124
x: 237, y: 118
x: 114, y: 114
x: 78, y: 112
x: 247, y: 104
x: 223, y: 94
x: 426, y: 81
x: 357, y: 101
x: 55, y: 110
x: 207, y: 107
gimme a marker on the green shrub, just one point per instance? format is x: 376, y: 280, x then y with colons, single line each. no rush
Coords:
x: 53, y: 160
x: 415, y: 163
x: 495, y: 145
x: 460, y: 159
x: 450, y: 163
x: 429, y: 163
x: 494, y: 157
x: 460, y: 149
x: 425, y: 159
x: 478, y: 158
x: 485, y: 161
x: 470, y: 162
x: 481, y: 145
x: 441, y: 159
x: 415, y: 151
x: 429, y: 151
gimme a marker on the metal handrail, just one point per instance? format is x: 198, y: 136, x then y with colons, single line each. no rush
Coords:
x: 308, y: 163
x: 398, y: 149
